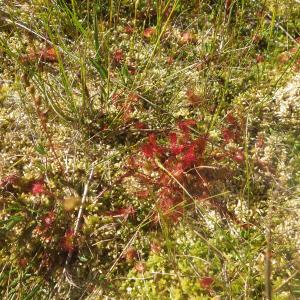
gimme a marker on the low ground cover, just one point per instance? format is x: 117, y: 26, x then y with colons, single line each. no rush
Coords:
x: 149, y: 149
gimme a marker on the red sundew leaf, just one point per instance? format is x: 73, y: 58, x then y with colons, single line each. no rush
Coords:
x: 189, y: 157
x: 147, y: 150
x: 185, y: 125
x: 143, y: 178
x: 128, y: 29
x: 260, y: 142
x: 46, y: 261
x: 49, y: 219
x: 48, y: 55
x: 178, y: 170
x: 23, y: 262
x: 149, y: 32
x: 171, y: 209
x: 140, y: 125
x: 284, y: 57
x: 9, y: 180
x: 228, y: 135
x: 297, y: 65
x: 152, y: 139
x: 118, y: 56
x: 123, y: 212
x: 175, y: 149
x: 170, y: 60
x: 130, y: 254
x: 155, y: 247
x: 203, y: 197
x: 132, y: 163
x: 133, y: 97
x: 206, y: 282
x: 293, y: 50
x: 142, y: 194
x: 68, y: 241
x: 238, y: 156
x: 38, y: 188
x: 260, y: 58
x: 246, y: 226
x: 173, y: 138
x: 164, y: 179
x: 165, y: 192
x: 116, y: 96
x: 151, y: 148
x: 231, y: 119
x: 201, y: 143
x: 256, y: 38
x: 193, y: 98
x: 29, y: 58
x: 187, y: 37
x: 140, y: 267
x: 131, y: 69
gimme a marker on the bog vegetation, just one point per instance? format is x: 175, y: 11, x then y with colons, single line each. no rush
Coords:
x: 147, y: 151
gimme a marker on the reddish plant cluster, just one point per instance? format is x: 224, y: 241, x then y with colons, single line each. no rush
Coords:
x: 44, y: 230
x: 38, y: 188
x: 168, y: 169
x: 232, y: 132
x: 67, y: 242
x: 9, y: 180
x: 123, y: 212
x: 46, y: 55
x: 175, y: 170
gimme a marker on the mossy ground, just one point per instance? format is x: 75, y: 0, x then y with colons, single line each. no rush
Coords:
x: 148, y: 149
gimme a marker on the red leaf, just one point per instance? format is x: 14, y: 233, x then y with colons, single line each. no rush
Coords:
x: 175, y: 149
x: 49, y: 219
x: 123, y: 212
x: 228, y: 135
x: 148, y: 32
x: 131, y: 69
x: 140, y: 267
x: 206, y: 282
x: 48, y: 55
x: 118, y: 56
x: 130, y: 254
x: 185, y: 125
x: 68, y: 241
x: 171, y: 208
x: 38, y: 188
x: 260, y: 58
x: 140, y: 125
x: 238, y: 156
x: 151, y: 148
x: 189, y: 157
x: 231, y: 119
x: 178, y: 170
x: 193, y: 98
x: 170, y: 60
x: 9, y: 180
x: 23, y: 262
x: 201, y: 144
x: 187, y: 37
x: 128, y: 29
x: 142, y: 194
x: 155, y: 247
